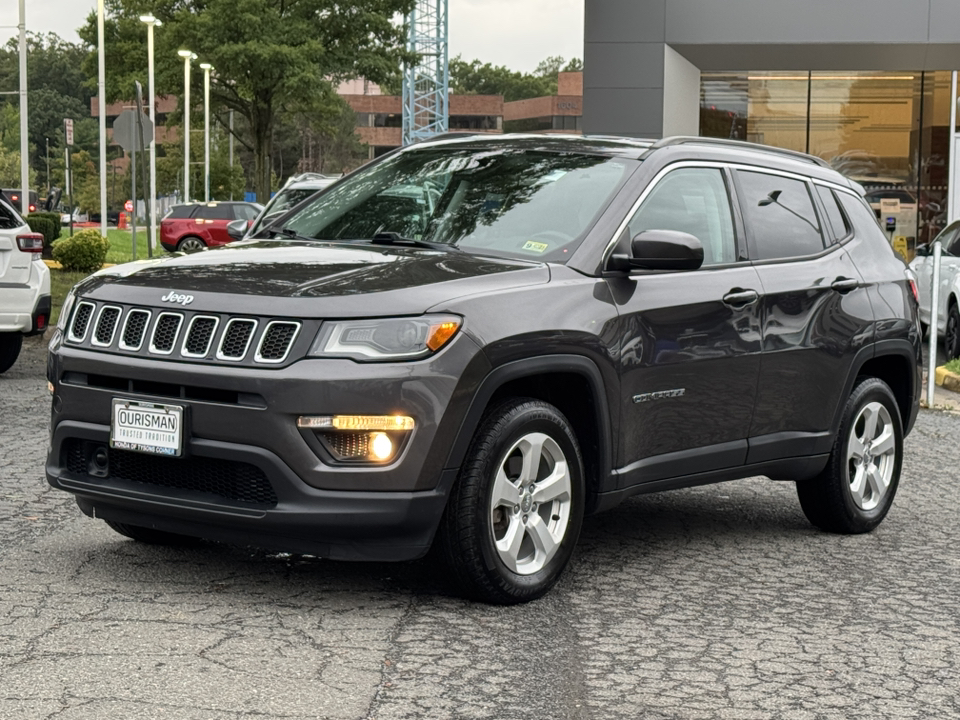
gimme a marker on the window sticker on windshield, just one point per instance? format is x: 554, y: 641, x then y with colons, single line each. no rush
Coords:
x: 535, y: 246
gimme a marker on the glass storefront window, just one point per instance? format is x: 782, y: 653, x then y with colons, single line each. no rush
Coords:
x: 886, y: 130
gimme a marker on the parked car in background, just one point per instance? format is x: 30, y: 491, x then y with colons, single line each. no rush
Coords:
x: 948, y: 305
x: 12, y: 196
x: 297, y: 189
x: 196, y: 226
x: 24, y: 285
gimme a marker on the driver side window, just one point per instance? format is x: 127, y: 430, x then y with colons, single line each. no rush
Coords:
x: 694, y: 201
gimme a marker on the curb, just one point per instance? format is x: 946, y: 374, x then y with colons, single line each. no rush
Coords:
x: 54, y: 265
x: 947, y: 380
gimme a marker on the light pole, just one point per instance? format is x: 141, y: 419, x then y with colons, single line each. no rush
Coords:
x: 102, y: 109
x: 151, y: 23
x: 24, y: 139
x: 187, y: 57
x: 207, y: 67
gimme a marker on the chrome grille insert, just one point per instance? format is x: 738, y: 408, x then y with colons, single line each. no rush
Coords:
x: 134, y: 329
x: 165, y: 333
x: 81, y: 322
x: 106, y: 326
x: 276, y: 341
x: 237, y: 336
x: 199, y: 335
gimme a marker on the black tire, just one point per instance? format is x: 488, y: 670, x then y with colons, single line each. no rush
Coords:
x: 468, y: 530
x: 10, y: 344
x: 152, y: 536
x: 185, y: 244
x: 951, y: 339
x: 829, y: 500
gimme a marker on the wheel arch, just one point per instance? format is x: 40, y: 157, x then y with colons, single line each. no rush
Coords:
x: 894, y: 362
x: 571, y: 383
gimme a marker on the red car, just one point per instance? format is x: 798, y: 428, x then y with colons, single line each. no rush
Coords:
x: 196, y: 226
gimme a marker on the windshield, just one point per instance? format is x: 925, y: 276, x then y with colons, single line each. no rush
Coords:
x: 504, y: 201
x: 281, y: 202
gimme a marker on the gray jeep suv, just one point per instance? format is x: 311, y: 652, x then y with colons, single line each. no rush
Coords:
x: 475, y: 342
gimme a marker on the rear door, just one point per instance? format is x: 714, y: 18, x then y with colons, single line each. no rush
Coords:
x: 690, y: 341
x: 814, y: 312
x: 212, y: 220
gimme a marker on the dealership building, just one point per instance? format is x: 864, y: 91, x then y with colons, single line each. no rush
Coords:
x: 863, y: 84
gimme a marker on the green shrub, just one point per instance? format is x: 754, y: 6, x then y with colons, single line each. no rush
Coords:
x: 48, y: 225
x: 84, y: 252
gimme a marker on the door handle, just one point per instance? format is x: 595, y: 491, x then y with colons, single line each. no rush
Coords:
x: 740, y: 298
x: 844, y: 285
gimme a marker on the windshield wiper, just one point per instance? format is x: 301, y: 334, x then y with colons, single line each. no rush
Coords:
x: 290, y: 233
x: 392, y: 238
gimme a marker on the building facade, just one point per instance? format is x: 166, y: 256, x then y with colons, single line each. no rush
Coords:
x: 863, y: 84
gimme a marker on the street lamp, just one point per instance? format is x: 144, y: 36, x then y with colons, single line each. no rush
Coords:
x: 207, y: 67
x: 187, y: 57
x: 151, y: 23
x: 102, y: 111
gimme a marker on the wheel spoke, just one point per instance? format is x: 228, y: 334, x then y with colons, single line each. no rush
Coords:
x: 877, y: 483
x: 556, y: 486
x: 858, y: 485
x: 504, y: 491
x: 885, y: 444
x: 509, y: 544
x: 531, y: 447
x: 870, y: 417
x: 543, y: 540
x: 855, y: 448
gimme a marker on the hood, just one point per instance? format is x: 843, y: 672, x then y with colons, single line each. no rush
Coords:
x: 314, y: 279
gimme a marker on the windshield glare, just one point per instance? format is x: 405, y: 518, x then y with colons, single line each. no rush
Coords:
x: 508, y: 202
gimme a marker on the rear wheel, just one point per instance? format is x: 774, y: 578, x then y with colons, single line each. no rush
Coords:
x: 191, y: 244
x: 514, y: 516
x: 10, y: 344
x: 951, y: 340
x: 153, y: 536
x: 855, y: 491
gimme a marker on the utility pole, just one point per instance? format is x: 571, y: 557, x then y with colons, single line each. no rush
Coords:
x: 102, y: 108
x: 49, y: 184
x: 231, y: 154
x: 24, y: 140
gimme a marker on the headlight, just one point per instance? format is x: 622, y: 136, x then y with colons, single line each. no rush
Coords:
x: 65, y: 311
x: 385, y: 339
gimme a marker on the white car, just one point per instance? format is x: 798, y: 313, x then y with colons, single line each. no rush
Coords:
x: 297, y: 189
x: 948, y: 317
x: 24, y: 285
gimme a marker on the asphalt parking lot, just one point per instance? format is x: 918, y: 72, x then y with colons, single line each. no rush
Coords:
x: 715, y: 602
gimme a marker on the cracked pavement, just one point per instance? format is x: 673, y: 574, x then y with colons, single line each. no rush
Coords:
x: 713, y: 602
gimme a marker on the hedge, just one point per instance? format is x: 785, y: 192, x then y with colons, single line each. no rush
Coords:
x: 48, y: 225
x: 84, y: 252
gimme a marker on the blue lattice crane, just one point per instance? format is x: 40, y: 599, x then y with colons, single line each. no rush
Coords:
x: 426, y: 83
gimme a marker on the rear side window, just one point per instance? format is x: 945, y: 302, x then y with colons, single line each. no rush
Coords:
x: 178, y: 212
x: 694, y: 201
x: 862, y: 217
x: 835, y: 218
x: 215, y: 212
x: 9, y: 219
x: 780, y: 217
x: 245, y: 212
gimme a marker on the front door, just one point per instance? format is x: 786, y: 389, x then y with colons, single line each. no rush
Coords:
x: 690, y: 341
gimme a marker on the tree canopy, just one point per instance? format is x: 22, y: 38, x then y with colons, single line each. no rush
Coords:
x: 268, y: 55
x: 476, y: 78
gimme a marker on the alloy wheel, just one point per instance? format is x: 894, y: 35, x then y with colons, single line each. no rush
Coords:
x: 530, y: 503
x: 191, y: 245
x: 871, y: 455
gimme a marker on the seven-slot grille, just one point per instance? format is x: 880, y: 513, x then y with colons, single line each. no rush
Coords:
x: 195, y: 336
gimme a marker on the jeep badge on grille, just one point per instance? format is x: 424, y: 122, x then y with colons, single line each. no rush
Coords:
x: 177, y: 298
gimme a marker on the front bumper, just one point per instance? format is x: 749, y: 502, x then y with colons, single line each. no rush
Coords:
x: 347, y: 512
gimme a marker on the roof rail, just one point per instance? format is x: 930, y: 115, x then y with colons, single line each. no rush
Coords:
x: 684, y: 139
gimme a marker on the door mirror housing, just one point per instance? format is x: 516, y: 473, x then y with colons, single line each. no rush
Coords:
x: 237, y: 229
x: 660, y: 250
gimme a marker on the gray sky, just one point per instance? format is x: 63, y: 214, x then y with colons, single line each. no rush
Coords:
x: 515, y: 33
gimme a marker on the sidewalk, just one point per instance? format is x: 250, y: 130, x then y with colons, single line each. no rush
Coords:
x: 942, y: 399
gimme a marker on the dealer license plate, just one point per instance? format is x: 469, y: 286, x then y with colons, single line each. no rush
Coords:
x: 147, y: 427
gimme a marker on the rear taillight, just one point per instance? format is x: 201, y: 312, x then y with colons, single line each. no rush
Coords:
x: 33, y: 208
x: 914, y: 290
x: 30, y: 242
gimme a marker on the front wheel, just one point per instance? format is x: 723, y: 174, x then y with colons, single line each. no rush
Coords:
x: 951, y: 340
x: 10, y: 344
x: 855, y: 491
x: 514, y: 516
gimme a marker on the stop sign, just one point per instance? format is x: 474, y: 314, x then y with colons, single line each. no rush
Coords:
x: 128, y: 206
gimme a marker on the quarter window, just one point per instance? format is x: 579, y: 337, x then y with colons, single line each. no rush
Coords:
x: 835, y: 217
x: 862, y: 217
x: 780, y: 216
x: 694, y: 201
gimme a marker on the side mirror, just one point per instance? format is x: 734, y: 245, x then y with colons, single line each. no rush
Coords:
x: 237, y: 229
x: 923, y: 250
x: 661, y: 250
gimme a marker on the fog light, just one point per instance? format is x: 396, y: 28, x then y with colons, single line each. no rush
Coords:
x: 381, y: 446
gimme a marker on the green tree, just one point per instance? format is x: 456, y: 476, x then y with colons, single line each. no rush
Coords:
x: 267, y: 53
x: 476, y: 78
x: 10, y: 169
